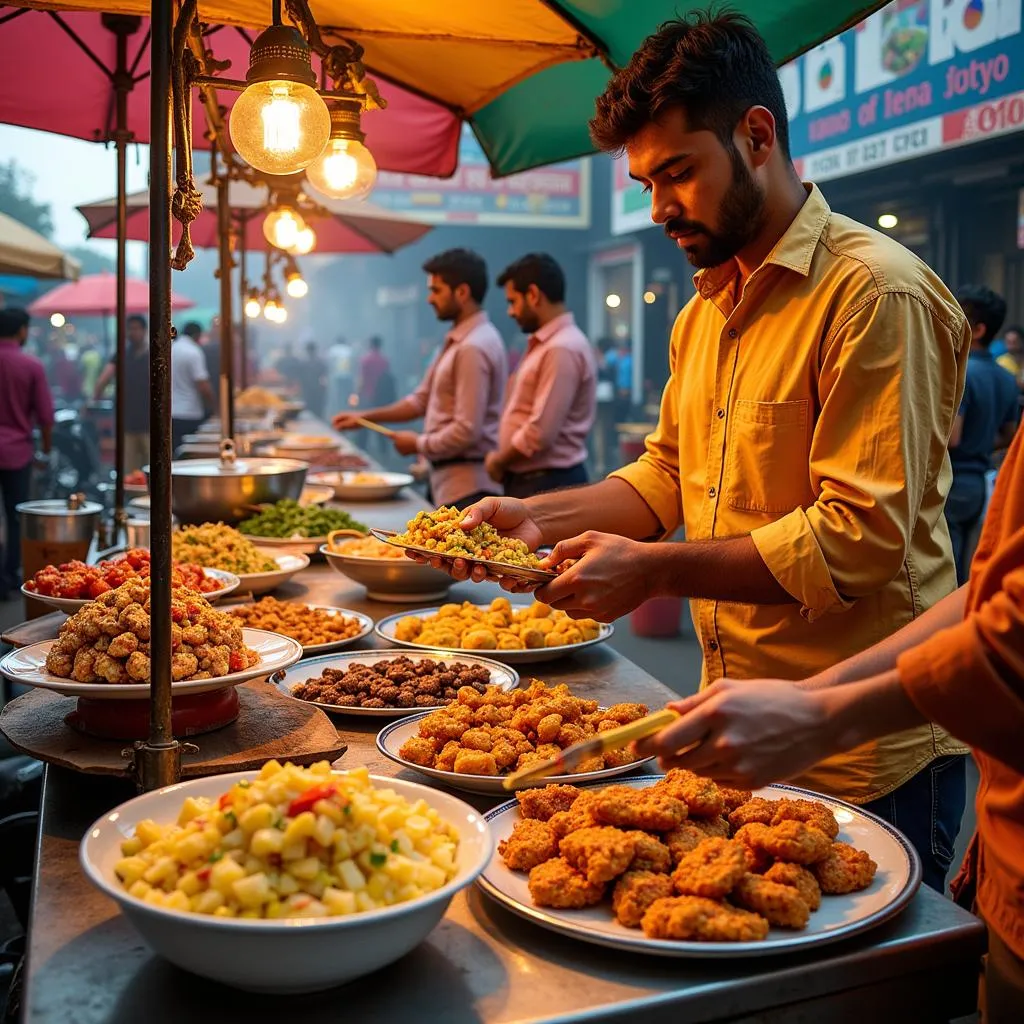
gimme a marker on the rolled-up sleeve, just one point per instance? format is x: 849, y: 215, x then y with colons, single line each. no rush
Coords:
x: 655, y: 475
x: 889, y: 384
x: 558, y: 380
x: 472, y: 374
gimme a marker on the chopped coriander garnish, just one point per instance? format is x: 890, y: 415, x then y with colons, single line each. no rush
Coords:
x: 216, y: 856
x: 279, y: 824
x: 394, y: 846
x: 347, y: 809
x: 230, y: 815
x: 244, y: 784
x: 378, y: 860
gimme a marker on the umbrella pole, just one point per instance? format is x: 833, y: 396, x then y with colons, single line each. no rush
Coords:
x: 158, y: 759
x: 243, y: 327
x: 227, y: 328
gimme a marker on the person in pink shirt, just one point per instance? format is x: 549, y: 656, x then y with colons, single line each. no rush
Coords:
x: 460, y: 397
x: 552, y: 397
x: 25, y: 403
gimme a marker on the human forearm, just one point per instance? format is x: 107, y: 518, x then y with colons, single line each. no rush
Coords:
x: 402, y: 411
x: 873, y: 706
x: 46, y: 438
x: 881, y: 658
x: 609, y: 506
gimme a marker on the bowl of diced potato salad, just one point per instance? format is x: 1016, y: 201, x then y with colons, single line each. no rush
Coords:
x: 288, y: 879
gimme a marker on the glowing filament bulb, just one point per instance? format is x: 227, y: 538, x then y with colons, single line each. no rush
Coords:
x: 281, y: 121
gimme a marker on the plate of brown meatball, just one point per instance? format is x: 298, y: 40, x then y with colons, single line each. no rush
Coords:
x: 390, y: 684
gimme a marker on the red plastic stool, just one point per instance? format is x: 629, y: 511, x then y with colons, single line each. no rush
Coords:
x: 658, y: 617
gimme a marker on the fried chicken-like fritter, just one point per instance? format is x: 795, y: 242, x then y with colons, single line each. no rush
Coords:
x: 711, y: 870
x: 419, y: 750
x: 795, y: 842
x: 650, y: 810
x: 712, y: 828
x: 634, y: 892
x: 701, y: 920
x: 779, y: 905
x: 809, y: 811
x: 475, y: 762
x: 599, y: 853
x: 544, y: 801
x: 798, y: 878
x: 844, y: 869
x: 683, y: 839
x: 651, y: 853
x: 556, y: 884
x: 532, y: 842
x: 757, y: 809
x: 702, y: 797
x: 734, y: 797
x: 580, y: 815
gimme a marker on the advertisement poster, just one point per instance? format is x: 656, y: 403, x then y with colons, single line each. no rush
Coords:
x: 550, y: 197
x: 915, y: 77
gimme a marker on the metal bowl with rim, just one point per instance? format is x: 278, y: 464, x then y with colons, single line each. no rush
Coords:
x: 391, y: 579
x: 216, y: 490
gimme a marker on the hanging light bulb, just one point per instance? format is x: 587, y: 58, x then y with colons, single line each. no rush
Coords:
x: 305, y: 242
x: 280, y: 124
x: 282, y: 315
x: 346, y: 168
x: 283, y: 226
x: 294, y: 283
x: 253, y: 306
x: 270, y: 308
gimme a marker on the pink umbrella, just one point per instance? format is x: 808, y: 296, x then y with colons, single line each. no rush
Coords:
x: 71, y: 91
x: 96, y: 295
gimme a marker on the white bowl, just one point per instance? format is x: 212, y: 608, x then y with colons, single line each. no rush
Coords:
x: 386, y: 486
x: 280, y: 956
x: 263, y: 582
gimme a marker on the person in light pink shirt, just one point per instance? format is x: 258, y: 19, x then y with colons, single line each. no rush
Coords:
x: 460, y: 397
x: 552, y: 397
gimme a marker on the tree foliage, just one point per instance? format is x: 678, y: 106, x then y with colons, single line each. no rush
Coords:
x: 17, y: 202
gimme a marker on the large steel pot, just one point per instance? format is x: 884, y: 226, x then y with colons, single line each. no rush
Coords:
x: 224, y: 489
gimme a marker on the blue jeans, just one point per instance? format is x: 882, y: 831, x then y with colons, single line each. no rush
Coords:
x: 927, y: 810
x: 526, y: 485
x: 964, y: 506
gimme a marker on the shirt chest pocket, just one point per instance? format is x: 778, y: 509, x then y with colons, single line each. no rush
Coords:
x: 767, y: 463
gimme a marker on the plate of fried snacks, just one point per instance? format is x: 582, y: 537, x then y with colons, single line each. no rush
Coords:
x: 515, y: 633
x: 102, y: 651
x: 481, y: 738
x: 319, y: 628
x: 438, y: 535
x: 381, y: 684
x: 677, y: 866
x: 72, y: 585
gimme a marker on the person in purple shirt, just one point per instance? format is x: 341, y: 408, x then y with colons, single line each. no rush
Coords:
x: 25, y: 403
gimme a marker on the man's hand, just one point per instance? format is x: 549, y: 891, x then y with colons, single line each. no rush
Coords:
x: 346, y: 421
x: 611, y: 576
x: 495, y: 467
x: 747, y: 734
x: 405, y: 442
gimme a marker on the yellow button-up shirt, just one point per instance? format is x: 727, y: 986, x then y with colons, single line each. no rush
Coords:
x: 812, y: 410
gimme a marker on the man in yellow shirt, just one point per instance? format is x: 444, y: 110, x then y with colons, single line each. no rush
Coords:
x: 802, y: 438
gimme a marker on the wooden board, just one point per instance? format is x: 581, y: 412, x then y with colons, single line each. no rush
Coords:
x: 268, y: 725
x: 34, y: 631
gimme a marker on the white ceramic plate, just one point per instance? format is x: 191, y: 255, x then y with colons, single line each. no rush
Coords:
x: 69, y: 605
x: 365, y: 627
x: 898, y: 878
x: 263, y: 582
x: 516, y: 572
x: 391, y: 738
x: 286, y: 681
x: 282, y: 956
x: 283, y: 545
x: 386, y: 485
x: 27, y: 666
x: 386, y: 631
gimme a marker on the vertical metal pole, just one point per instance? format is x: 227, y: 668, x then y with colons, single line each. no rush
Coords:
x: 227, y: 328
x: 243, y: 326
x: 158, y: 760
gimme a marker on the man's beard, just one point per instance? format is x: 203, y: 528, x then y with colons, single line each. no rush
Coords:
x: 528, y: 322
x: 741, y: 215
x: 448, y: 312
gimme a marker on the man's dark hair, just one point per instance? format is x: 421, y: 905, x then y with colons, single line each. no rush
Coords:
x: 193, y: 330
x: 981, y: 305
x: 12, y: 320
x: 715, y: 66
x: 136, y: 319
x: 460, y: 266
x: 376, y: 343
x: 536, y: 268
x: 1014, y: 329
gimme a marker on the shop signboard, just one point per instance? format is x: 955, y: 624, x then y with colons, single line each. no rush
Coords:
x: 550, y: 197
x: 915, y: 77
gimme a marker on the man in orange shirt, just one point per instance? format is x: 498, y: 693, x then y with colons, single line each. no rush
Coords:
x: 961, y: 664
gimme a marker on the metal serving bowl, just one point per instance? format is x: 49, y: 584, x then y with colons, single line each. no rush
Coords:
x: 213, y: 490
x: 390, y: 579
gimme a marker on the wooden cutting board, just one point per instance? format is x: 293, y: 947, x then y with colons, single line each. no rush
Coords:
x: 269, y: 725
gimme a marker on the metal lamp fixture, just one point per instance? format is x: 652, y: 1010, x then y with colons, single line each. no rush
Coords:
x: 283, y: 226
x: 253, y: 305
x: 346, y: 168
x: 280, y: 124
x: 305, y: 242
x: 294, y: 283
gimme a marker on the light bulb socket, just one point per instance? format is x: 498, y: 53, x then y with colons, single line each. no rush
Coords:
x: 280, y: 54
x: 345, y: 121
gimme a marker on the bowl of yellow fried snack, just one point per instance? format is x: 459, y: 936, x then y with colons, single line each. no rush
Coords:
x: 513, y: 633
x: 288, y: 879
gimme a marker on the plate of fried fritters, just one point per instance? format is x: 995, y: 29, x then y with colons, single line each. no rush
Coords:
x: 482, y: 737
x: 678, y: 866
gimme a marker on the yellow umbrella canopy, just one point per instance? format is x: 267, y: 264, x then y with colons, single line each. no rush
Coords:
x: 24, y: 251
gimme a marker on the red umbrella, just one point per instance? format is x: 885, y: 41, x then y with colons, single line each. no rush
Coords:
x: 96, y: 295
x: 413, y: 135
